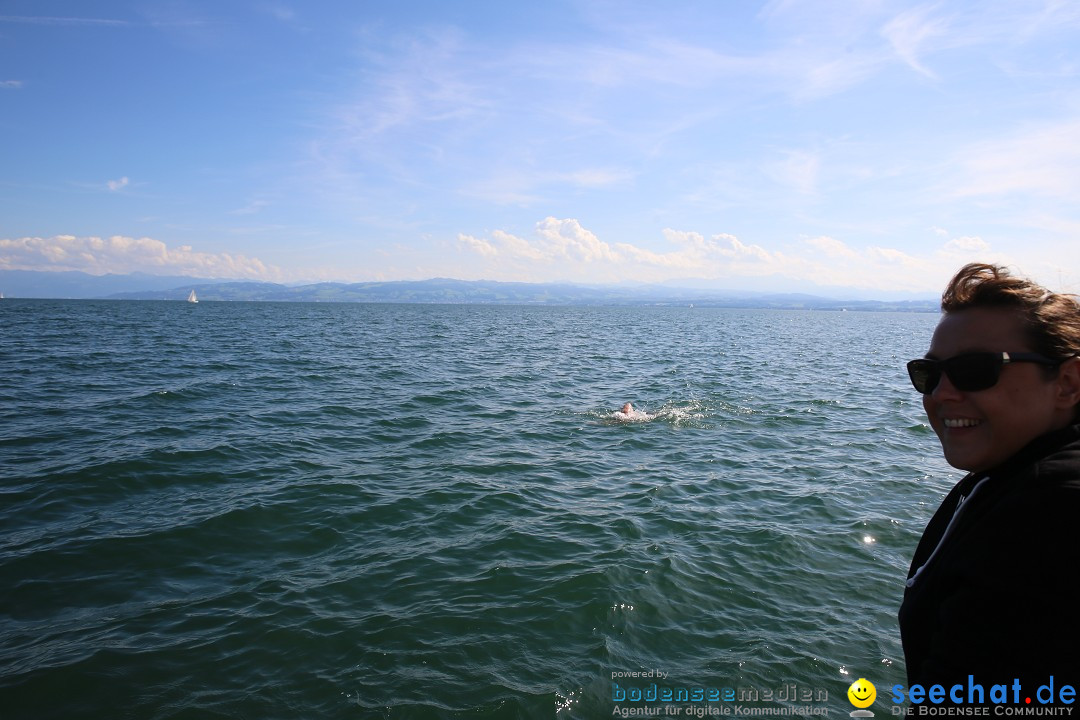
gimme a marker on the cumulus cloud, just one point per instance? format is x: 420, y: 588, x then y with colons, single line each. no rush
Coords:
x: 967, y: 244
x: 115, y: 185
x: 892, y: 256
x: 478, y: 245
x: 563, y: 249
x: 832, y: 247
x: 838, y: 263
x: 120, y: 254
x: 556, y: 241
x: 831, y: 261
x: 566, y: 239
x: 695, y: 249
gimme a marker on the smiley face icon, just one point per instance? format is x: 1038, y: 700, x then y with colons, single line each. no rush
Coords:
x: 862, y: 693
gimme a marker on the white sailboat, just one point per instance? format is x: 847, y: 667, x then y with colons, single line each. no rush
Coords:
x: 191, y: 297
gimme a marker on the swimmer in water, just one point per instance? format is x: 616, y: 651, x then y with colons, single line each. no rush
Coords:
x: 627, y: 409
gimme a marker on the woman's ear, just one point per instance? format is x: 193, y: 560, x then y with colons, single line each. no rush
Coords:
x: 1068, y: 384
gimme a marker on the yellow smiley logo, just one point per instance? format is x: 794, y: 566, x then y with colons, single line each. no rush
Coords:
x: 862, y: 693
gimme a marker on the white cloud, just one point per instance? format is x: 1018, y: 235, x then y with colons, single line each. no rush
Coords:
x: 566, y: 239
x: 423, y: 101
x: 909, y: 32
x: 565, y: 250
x: 518, y: 247
x: 892, y: 256
x: 40, y: 20
x: 798, y: 170
x: 833, y: 262
x: 423, y: 81
x: 696, y: 249
x: 120, y: 254
x: 251, y: 208
x: 832, y: 247
x: 558, y: 241
x: 430, y: 108
x: 821, y: 77
x: 11, y: 84
x: 478, y: 245
x: 596, y: 177
x: 1042, y: 160
x: 526, y: 188
x: 115, y: 185
x: 969, y: 248
x: 967, y: 244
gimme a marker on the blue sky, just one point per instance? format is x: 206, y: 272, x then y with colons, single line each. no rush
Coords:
x: 788, y: 145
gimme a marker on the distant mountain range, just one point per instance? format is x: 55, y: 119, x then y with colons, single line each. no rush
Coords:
x: 36, y: 284
x: 24, y: 283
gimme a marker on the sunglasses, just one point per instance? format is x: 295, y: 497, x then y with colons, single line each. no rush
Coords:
x: 969, y: 372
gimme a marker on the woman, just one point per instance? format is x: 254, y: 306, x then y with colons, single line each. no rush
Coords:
x: 994, y: 586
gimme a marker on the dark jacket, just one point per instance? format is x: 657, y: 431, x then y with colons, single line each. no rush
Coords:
x: 1000, y: 597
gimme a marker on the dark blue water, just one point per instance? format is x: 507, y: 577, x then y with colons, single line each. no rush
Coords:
x: 253, y: 510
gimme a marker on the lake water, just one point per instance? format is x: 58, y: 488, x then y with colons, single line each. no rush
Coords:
x: 261, y: 510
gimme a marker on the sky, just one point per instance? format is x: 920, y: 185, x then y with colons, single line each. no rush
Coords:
x: 810, y: 145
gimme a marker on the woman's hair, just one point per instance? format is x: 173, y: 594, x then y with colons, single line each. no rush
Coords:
x: 1052, y: 319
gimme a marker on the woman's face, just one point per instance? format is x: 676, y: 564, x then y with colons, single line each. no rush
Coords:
x: 982, y: 429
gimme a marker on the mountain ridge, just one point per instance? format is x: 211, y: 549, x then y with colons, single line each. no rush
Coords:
x: 434, y: 290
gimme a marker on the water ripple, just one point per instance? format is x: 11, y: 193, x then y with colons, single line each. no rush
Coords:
x: 278, y: 510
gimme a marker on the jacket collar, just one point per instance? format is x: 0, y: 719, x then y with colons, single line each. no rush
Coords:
x: 1036, y: 450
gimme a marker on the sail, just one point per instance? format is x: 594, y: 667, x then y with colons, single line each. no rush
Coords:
x: 192, y: 298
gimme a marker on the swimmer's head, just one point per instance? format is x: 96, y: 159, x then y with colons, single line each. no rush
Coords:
x: 627, y: 409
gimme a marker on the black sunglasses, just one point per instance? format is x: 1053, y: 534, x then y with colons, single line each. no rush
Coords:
x: 969, y: 372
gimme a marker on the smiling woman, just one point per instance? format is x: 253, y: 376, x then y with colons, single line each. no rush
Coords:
x: 992, y: 591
